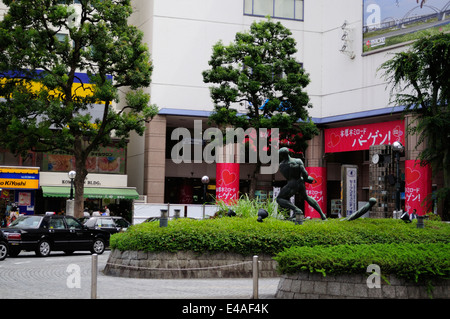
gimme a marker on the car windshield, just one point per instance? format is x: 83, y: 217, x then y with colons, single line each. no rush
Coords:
x: 26, y: 222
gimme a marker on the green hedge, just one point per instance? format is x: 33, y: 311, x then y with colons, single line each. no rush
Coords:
x: 414, y: 262
x: 248, y: 237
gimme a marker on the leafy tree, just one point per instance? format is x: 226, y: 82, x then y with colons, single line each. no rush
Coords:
x: 420, y: 81
x: 259, y: 70
x: 44, y: 46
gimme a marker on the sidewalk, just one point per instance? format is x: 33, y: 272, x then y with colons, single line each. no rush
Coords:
x: 131, y: 288
x: 220, y: 288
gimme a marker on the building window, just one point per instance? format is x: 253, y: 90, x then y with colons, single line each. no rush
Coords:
x: 284, y: 9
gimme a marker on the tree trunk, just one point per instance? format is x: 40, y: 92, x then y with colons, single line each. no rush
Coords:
x: 79, y: 194
x: 80, y: 169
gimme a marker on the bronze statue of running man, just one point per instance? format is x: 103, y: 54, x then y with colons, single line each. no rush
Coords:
x: 294, y: 171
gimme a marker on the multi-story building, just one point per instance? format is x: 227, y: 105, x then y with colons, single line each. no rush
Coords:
x: 39, y: 182
x: 341, y: 44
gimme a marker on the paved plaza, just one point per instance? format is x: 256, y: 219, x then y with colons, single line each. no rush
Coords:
x: 69, y: 277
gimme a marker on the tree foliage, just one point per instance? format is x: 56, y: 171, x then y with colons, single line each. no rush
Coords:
x: 420, y: 79
x: 258, y: 70
x: 45, y: 48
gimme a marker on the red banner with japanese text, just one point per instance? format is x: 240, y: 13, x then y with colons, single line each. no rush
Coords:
x: 361, y: 137
x: 227, y: 182
x: 418, y: 187
x: 317, y: 190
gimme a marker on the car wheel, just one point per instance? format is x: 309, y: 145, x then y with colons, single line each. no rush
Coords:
x: 3, y: 250
x: 98, y: 247
x: 43, y: 248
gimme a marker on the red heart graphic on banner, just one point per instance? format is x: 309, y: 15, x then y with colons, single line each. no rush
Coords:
x: 228, y: 178
x: 334, y: 140
x: 412, y: 176
x: 317, y: 180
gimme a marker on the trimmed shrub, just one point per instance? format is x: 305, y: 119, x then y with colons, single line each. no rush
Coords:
x: 413, y: 262
x: 248, y: 237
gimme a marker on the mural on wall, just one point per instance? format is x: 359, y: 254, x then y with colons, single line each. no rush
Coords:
x: 107, y: 160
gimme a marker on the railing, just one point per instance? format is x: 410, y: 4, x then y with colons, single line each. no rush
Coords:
x: 254, y: 262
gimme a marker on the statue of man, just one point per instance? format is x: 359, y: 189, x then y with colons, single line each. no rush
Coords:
x: 294, y: 171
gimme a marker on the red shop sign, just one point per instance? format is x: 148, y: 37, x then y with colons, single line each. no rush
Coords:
x: 227, y: 182
x: 418, y: 187
x: 361, y: 137
x: 317, y: 190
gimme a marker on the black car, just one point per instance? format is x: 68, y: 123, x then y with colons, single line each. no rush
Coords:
x: 3, y: 246
x: 111, y: 224
x: 43, y: 234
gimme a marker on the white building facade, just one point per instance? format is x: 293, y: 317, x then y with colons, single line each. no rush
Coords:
x: 347, y: 92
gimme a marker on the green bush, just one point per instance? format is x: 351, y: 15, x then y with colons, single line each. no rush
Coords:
x: 247, y: 208
x: 248, y: 237
x: 414, y: 262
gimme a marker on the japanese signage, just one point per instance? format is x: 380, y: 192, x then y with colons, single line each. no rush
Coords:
x: 227, y: 182
x: 317, y: 190
x: 349, y: 189
x: 390, y: 22
x: 361, y: 137
x: 417, y: 187
x: 19, y: 178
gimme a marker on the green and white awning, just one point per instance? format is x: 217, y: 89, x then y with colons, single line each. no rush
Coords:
x: 91, y: 192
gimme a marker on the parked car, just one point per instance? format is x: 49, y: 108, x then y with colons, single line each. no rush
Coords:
x: 111, y: 224
x: 3, y: 246
x: 43, y: 234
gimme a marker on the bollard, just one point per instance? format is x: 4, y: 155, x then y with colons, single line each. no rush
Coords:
x: 177, y: 213
x: 94, y: 271
x: 255, y: 277
x: 164, y: 218
x: 420, y: 223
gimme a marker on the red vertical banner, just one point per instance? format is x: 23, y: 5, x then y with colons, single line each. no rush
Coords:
x: 417, y: 187
x: 317, y: 190
x: 227, y: 182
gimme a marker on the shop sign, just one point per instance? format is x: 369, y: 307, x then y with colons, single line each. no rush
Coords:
x: 417, y: 187
x: 349, y: 180
x: 361, y: 137
x: 19, y: 178
x: 317, y: 190
x: 227, y: 182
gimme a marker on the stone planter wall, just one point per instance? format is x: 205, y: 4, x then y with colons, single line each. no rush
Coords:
x: 186, y: 264
x: 312, y: 286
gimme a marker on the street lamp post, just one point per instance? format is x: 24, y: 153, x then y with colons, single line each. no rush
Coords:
x: 70, y: 203
x: 205, y: 181
x: 72, y: 175
x: 398, y: 149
